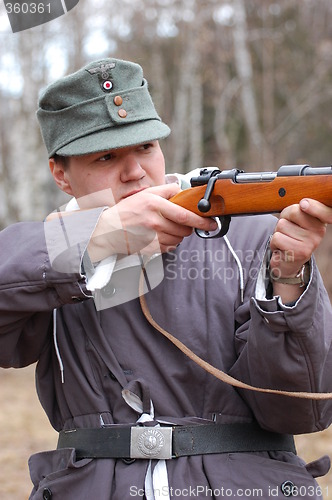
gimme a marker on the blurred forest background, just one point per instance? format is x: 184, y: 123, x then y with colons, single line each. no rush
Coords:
x: 242, y: 83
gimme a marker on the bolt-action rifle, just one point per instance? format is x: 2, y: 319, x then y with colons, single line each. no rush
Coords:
x: 223, y: 194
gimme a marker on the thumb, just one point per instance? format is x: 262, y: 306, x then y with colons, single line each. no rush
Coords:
x: 316, y: 209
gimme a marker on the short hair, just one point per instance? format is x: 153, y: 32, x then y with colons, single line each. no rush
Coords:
x: 64, y: 160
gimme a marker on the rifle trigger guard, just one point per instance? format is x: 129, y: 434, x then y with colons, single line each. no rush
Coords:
x: 223, y: 226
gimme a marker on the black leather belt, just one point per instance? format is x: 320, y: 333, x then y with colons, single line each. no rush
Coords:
x: 171, y: 442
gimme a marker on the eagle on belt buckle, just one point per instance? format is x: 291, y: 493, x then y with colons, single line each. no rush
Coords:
x: 151, y: 442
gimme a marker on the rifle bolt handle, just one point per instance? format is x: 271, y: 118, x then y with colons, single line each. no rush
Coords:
x: 204, y: 205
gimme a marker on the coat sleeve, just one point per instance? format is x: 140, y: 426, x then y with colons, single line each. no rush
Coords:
x: 287, y: 348
x: 40, y: 270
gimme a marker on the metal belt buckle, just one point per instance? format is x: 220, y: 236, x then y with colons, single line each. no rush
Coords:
x: 151, y: 442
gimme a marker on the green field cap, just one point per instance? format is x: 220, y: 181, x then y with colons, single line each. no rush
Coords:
x: 105, y: 105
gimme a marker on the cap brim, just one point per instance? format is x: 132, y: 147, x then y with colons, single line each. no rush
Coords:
x: 116, y: 137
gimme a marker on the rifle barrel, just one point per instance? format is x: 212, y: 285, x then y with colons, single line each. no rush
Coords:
x: 284, y: 171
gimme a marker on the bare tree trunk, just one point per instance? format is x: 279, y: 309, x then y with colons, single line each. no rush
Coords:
x: 245, y: 73
x: 220, y: 122
x: 78, y: 26
x: 268, y: 83
x: 31, y: 176
x: 180, y: 117
x: 8, y: 208
x: 187, y: 125
x: 196, y: 115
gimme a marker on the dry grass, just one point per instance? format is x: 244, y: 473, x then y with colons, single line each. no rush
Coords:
x: 26, y: 430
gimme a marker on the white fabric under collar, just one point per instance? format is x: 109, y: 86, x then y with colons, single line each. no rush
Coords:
x: 102, y: 272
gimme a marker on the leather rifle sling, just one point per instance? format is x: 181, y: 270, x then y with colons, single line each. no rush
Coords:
x: 219, y: 374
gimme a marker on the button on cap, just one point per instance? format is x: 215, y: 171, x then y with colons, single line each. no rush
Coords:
x: 118, y: 100
x: 122, y: 113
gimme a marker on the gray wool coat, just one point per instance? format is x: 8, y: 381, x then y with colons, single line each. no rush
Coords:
x: 105, y: 352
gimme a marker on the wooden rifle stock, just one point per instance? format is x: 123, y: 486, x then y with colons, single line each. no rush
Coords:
x: 236, y: 193
x: 232, y: 192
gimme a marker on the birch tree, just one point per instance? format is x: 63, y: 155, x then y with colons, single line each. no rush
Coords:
x: 242, y: 59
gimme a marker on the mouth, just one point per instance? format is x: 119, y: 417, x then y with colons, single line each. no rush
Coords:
x: 134, y: 191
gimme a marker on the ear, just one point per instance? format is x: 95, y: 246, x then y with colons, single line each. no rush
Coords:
x: 60, y: 175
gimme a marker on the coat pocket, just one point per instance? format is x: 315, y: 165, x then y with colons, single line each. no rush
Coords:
x: 57, y: 475
x: 274, y: 478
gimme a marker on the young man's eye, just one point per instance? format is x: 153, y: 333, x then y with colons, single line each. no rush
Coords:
x: 106, y: 157
x: 145, y: 147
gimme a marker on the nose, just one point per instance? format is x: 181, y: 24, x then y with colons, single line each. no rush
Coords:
x: 132, y: 169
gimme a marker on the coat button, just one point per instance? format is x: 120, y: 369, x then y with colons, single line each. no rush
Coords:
x: 128, y: 461
x: 288, y: 488
x: 118, y: 100
x: 108, y: 291
x: 47, y: 494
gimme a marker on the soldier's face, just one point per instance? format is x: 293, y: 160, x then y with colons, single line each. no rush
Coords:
x: 121, y: 172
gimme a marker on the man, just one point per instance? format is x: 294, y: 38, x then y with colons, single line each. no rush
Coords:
x: 137, y: 417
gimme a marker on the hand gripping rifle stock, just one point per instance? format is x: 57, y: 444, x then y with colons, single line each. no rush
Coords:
x: 223, y: 194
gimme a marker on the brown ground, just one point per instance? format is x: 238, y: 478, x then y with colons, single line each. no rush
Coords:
x: 24, y: 429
